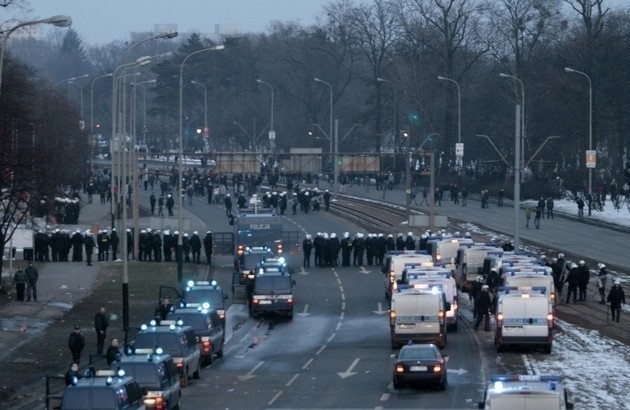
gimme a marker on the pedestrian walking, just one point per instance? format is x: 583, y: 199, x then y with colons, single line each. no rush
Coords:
x: 537, y: 216
x: 616, y: 298
x: 101, y: 323
x: 76, y: 343
x: 602, y: 277
x: 152, y: 201
x: 483, y: 305
x: 550, y: 206
x: 528, y: 216
x: 541, y: 205
x: 32, y: 275
x: 20, y: 279
x: 161, y: 206
x: 580, y: 205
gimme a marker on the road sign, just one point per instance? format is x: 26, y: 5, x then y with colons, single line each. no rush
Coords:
x: 591, y: 158
x: 459, y: 149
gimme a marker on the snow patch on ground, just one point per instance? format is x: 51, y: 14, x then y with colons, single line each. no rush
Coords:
x: 594, y: 367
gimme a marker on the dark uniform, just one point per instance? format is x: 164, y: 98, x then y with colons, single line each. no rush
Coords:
x: 584, y: 276
x: 307, y: 247
x: 207, y: 246
x: 76, y: 343
x: 616, y: 298
x: 483, y: 306
x: 573, y: 280
x: 195, y: 246
x: 101, y: 323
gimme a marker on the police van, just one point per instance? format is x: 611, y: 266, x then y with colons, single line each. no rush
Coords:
x: 271, y: 291
x: 156, y: 375
x: 497, y: 261
x: 514, y: 392
x: 443, y: 281
x: 524, y: 317
x: 395, y: 263
x: 533, y: 276
x: 444, y: 249
x: 108, y: 389
x: 418, y: 314
x: 469, y: 263
x: 176, y: 340
x: 209, y: 330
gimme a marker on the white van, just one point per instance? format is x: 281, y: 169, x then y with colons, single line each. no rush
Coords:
x: 469, y: 263
x: 531, y: 276
x: 445, y: 250
x: 444, y: 281
x: 395, y: 264
x: 507, y: 259
x: 418, y: 315
x: 524, y: 316
x: 521, y: 392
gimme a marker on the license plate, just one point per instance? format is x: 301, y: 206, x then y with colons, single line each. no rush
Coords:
x: 418, y: 368
x: 265, y: 302
x: 512, y: 329
x: 406, y: 326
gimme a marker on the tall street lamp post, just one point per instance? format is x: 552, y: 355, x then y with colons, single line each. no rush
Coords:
x: 125, y: 281
x: 59, y: 21
x: 272, y: 132
x: 205, y: 114
x: 395, y: 120
x: 519, y: 128
x: 330, y: 135
x: 459, y: 112
x: 590, y: 132
x: 179, y: 185
x: 92, y: 141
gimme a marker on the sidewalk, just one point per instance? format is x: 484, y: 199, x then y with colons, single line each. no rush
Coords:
x: 61, y: 286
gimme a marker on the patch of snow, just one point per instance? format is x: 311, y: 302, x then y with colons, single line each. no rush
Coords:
x: 609, y: 214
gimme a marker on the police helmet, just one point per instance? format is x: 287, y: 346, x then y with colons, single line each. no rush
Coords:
x: 409, y: 233
x: 582, y: 263
x: 480, y: 278
x: 560, y: 255
x: 494, y: 270
x: 573, y: 266
x: 485, y: 287
x: 601, y: 266
x: 617, y: 282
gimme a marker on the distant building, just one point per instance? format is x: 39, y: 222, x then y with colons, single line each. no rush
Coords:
x: 226, y: 30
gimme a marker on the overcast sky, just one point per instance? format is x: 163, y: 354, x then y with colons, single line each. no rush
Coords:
x: 102, y: 21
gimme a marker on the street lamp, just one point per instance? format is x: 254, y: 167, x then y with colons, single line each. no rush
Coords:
x: 459, y: 108
x: 59, y: 21
x: 205, y: 112
x: 494, y: 146
x: 92, y: 113
x: 590, y: 131
x: 503, y: 75
x: 382, y: 80
x: 179, y: 185
x: 124, y: 66
x: 272, y: 134
x: 330, y: 135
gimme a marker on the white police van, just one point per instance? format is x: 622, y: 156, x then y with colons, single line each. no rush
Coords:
x: 534, y: 276
x: 418, y: 315
x: 524, y: 316
x: 443, y: 280
x: 444, y: 249
x: 394, y: 266
x: 521, y: 392
x: 469, y: 263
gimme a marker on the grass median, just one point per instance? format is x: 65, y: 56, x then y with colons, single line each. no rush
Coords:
x: 47, y: 353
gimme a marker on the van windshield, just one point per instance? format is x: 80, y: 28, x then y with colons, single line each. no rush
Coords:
x: 198, y: 321
x: 272, y: 284
x: 144, y: 373
x: 171, y: 343
x: 212, y: 296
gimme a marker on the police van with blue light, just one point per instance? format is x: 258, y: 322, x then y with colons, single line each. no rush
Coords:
x: 395, y: 263
x: 469, y: 262
x: 514, y: 392
x: 530, y: 276
x: 271, y: 291
x: 443, y: 248
x: 156, y: 375
x: 208, y: 327
x: 107, y: 389
x: 524, y: 317
x: 418, y: 314
x: 198, y: 293
x: 176, y: 340
x: 443, y: 280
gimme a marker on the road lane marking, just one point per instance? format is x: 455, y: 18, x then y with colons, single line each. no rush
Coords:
x: 274, y: 398
x: 321, y: 349
x: 250, y: 374
x: 290, y: 382
x: 349, y: 371
x: 385, y: 396
x: 307, y: 364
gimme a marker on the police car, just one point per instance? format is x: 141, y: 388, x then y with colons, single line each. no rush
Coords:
x: 511, y: 392
x: 176, y: 340
x: 156, y: 375
x: 108, y: 389
x: 208, y: 328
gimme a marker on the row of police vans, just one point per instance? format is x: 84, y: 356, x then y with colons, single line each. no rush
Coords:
x: 423, y: 287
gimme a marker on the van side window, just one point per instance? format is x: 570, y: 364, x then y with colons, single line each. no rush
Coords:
x: 191, y: 339
x: 183, y: 344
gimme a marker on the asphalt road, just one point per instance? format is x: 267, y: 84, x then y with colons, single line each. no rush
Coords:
x: 336, y: 351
